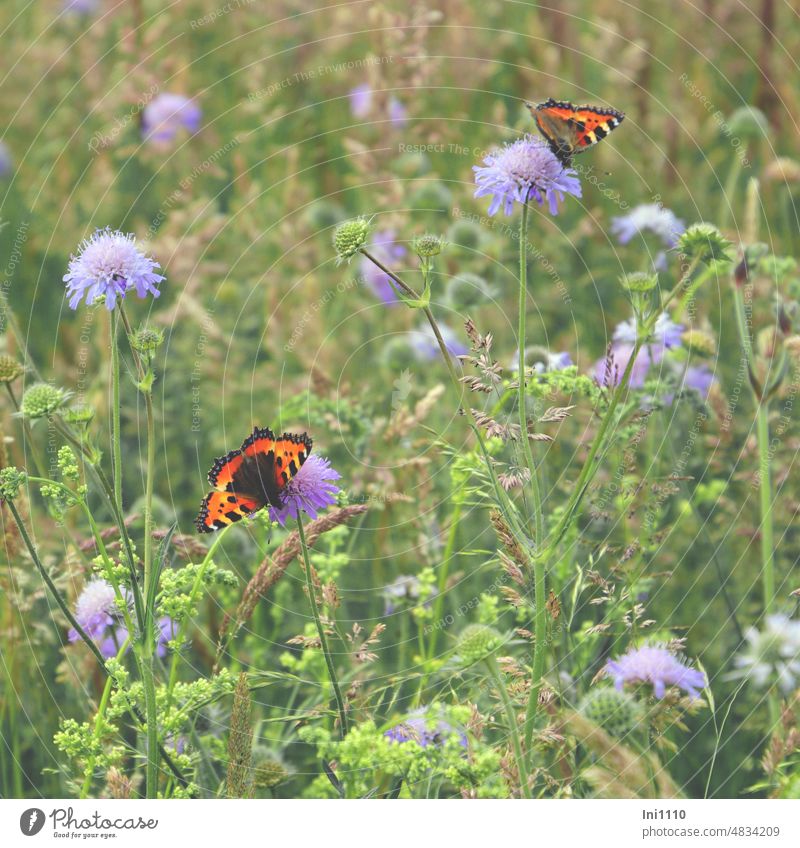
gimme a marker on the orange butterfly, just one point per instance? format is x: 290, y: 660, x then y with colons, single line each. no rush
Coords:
x: 569, y: 129
x: 248, y: 479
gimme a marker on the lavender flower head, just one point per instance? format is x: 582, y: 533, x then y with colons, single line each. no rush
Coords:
x: 361, y: 100
x: 666, y: 333
x: 167, y: 114
x: 110, y: 264
x: 398, y: 114
x: 312, y: 489
x: 522, y: 171
x: 6, y: 162
x: 97, y: 613
x: 95, y: 609
x: 388, y: 252
x: 608, y: 371
x: 81, y: 7
x: 648, y: 217
x: 655, y: 664
x: 425, y: 730
x: 426, y: 347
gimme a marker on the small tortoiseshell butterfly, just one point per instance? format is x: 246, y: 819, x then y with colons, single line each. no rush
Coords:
x: 248, y: 479
x: 572, y: 129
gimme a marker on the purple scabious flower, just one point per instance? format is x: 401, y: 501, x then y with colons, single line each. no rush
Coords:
x: 700, y: 378
x: 398, y: 114
x: 6, y: 162
x: 110, y: 264
x: 95, y: 609
x: 388, y: 252
x: 361, y: 100
x: 425, y: 730
x: 666, y: 333
x: 522, y: 171
x: 167, y: 114
x: 312, y: 489
x: 81, y: 7
x: 608, y: 371
x: 655, y: 664
x: 648, y: 217
x: 424, y: 344
x: 553, y: 362
x: 97, y: 613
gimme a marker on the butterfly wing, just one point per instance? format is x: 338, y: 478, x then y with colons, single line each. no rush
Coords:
x: 248, y: 479
x: 219, y: 509
x: 572, y: 129
x: 289, y: 452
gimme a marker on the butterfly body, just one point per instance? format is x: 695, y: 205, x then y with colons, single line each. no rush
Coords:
x: 252, y: 477
x: 569, y: 129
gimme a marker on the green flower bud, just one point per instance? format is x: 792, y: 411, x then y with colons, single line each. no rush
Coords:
x: 476, y: 642
x: 80, y: 414
x: 749, y: 123
x: 268, y: 771
x: 323, y: 215
x: 399, y: 355
x: 432, y: 196
x: 467, y: 291
x: 350, y: 237
x: 465, y: 234
x: 699, y: 342
x: 427, y: 245
x: 147, y: 340
x: 41, y: 400
x: 618, y: 713
x: 11, y: 481
x: 10, y: 369
x: 639, y: 282
x: 704, y: 242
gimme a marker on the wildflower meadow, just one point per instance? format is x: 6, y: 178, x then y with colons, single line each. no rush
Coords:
x: 399, y: 401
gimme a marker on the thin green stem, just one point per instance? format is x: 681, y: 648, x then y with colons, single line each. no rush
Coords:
x: 522, y: 410
x: 507, y: 507
x: 116, y: 443
x: 513, y: 726
x: 323, y: 639
x: 98, y: 722
x: 765, y: 492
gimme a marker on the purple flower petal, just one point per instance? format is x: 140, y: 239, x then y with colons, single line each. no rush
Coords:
x: 523, y: 171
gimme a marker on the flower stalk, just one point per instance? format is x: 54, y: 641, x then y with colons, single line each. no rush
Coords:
x: 323, y: 639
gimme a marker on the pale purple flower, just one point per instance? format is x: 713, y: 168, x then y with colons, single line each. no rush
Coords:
x: 523, y: 171
x: 425, y: 346
x: 608, y: 371
x: 655, y: 664
x: 167, y: 114
x: 81, y: 7
x: 6, y: 162
x: 398, y: 114
x: 700, y: 378
x: 553, y: 362
x: 424, y: 729
x: 110, y: 264
x: 648, y: 217
x: 95, y: 609
x: 388, y: 252
x: 97, y: 613
x: 312, y: 489
x: 666, y: 333
x: 361, y: 100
